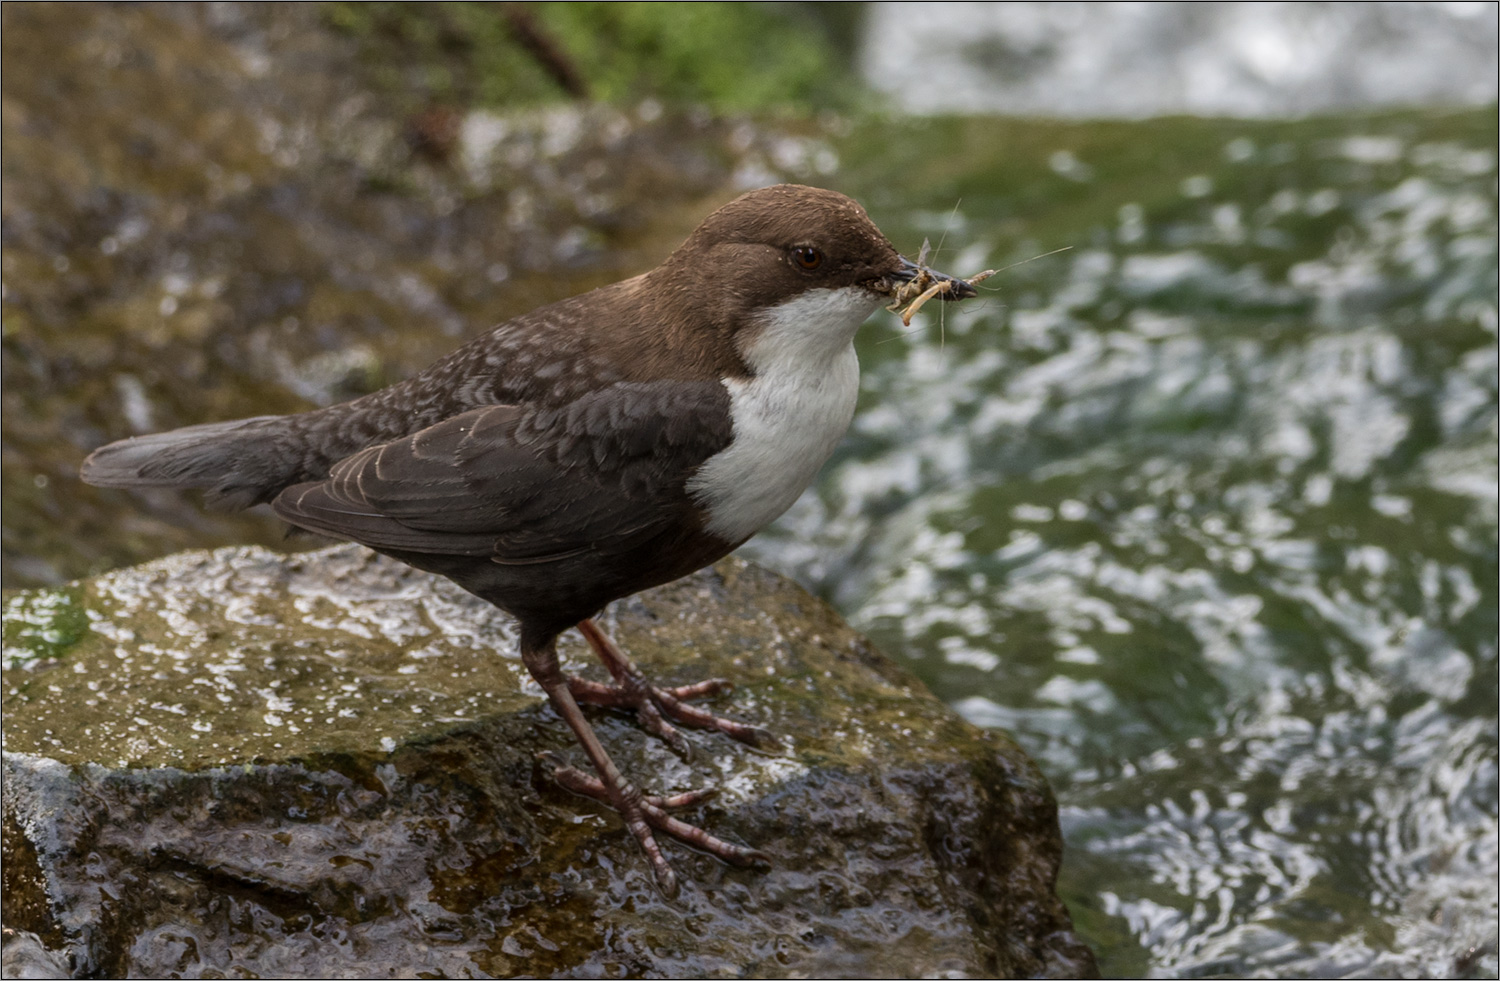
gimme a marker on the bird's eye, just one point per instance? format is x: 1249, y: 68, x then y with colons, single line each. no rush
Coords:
x: 807, y: 257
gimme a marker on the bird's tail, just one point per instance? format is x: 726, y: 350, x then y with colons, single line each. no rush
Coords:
x: 238, y: 463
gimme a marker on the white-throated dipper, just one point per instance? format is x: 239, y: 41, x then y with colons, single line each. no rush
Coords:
x: 588, y: 450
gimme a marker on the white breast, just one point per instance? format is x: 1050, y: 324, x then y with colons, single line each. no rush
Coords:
x: 788, y: 417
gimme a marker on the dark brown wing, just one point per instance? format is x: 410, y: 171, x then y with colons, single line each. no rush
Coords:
x: 524, y: 484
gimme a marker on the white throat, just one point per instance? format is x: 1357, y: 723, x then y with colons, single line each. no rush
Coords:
x: 790, y: 415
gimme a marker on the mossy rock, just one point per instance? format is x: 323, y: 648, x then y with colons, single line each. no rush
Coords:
x: 326, y: 765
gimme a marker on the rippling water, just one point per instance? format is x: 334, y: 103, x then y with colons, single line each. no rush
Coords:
x: 1204, y: 512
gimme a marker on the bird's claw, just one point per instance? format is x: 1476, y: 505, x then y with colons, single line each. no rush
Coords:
x: 654, y: 705
x: 644, y: 813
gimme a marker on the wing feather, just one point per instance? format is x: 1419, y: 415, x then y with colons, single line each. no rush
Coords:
x: 525, y: 484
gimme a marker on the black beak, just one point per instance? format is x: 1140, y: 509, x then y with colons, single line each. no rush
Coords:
x: 960, y: 290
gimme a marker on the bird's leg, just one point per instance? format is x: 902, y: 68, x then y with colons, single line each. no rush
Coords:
x: 641, y: 813
x: 632, y: 690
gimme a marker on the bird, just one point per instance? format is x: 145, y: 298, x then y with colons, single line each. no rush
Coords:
x: 590, y: 449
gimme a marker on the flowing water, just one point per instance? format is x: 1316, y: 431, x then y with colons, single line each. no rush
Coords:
x: 1203, y: 510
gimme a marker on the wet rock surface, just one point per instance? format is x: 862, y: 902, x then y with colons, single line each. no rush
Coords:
x: 325, y: 765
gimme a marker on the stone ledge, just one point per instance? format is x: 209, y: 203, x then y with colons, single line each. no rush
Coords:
x: 324, y: 765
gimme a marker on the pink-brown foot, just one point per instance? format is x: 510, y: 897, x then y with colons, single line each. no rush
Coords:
x: 653, y: 705
x: 643, y: 813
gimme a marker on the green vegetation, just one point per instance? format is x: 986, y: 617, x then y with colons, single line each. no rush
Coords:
x: 732, y: 57
x: 42, y: 624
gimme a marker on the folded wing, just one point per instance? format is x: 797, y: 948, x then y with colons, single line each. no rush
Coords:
x: 524, y: 484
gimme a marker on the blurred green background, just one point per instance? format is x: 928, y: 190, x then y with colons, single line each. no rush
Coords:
x: 734, y: 57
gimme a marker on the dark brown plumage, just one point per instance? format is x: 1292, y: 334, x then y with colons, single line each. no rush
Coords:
x: 587, y: 450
